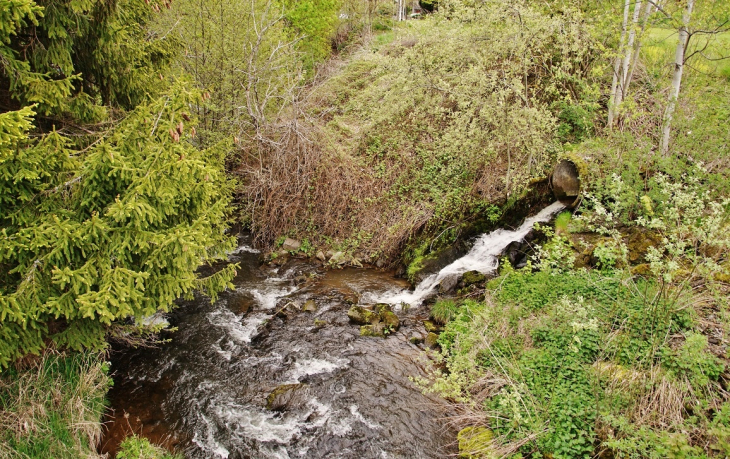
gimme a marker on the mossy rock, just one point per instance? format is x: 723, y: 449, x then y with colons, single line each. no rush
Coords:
x: 431, y: 340
x: 473, y: 277
x: 643, y: 269
x: 639, y: 243
x: 282, y: 397
x: 432, y: 327
x: 318, y: 323
x: 362, y: 316
x: 415, y: 339
x: 382, y: 307
x: 390, y: 321
x: 309, y: 306
x: 475, y: 442
x: 374, y: 330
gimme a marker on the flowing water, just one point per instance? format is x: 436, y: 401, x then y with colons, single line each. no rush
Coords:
x: 483, y: 257
x: 340, y: 395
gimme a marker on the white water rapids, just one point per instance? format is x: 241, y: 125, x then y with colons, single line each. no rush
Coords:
x: 483, y: 257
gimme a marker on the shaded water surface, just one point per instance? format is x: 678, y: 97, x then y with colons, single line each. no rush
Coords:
x: 205, y: 393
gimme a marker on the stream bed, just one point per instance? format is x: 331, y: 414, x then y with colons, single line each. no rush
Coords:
x: 333, y: 393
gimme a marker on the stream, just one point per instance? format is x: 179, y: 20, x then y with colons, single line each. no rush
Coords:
x: 243, y: 379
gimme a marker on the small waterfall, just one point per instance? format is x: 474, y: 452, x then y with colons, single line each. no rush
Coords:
x: 483, y: 257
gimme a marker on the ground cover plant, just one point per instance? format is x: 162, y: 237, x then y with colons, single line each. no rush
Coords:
x: 626, y: 358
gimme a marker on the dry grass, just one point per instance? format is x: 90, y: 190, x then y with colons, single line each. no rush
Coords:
x: 53, y: 408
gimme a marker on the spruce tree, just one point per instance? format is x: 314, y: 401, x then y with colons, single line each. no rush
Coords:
x: 102, y: 222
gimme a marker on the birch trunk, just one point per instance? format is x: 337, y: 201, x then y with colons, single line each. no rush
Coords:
x: 637, y: 47
x: 627, y: 55
x: 617, y: 67
x: 677, y: 76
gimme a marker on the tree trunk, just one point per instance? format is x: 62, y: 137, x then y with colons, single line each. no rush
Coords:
x: 677, y: 77
x: 617, y: 67
x: 637, y: 47
x: 627, y: 55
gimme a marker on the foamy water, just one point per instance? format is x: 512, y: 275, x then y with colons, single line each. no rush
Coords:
x: 483, y: 257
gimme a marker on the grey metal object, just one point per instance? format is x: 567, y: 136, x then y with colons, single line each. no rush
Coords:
x: 565, y: 182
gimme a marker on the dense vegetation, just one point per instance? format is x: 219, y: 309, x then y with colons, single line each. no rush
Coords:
x: 133, y: 131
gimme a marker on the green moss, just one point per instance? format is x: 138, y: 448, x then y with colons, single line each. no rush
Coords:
x: 375, y: 330
x: 472, y: 278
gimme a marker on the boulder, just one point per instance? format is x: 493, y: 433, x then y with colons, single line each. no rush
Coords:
x: 338, y: 258
x: 431, y: 340
x: 320, y: 256
x: 380, y: 322
x: 448, y: 283
x: 362, y: 316
x: 472, y: 277
x: 375, y: 330
x: 240, y: 303
x: 387, y: 317
x: 432, y: 327
x: 291, y: 245
x: 390, y: 320
x: 286, y: 396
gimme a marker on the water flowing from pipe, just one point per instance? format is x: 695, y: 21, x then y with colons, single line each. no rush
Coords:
x: 483, y: 257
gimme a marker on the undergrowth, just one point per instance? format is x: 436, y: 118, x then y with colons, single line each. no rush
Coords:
x: 51, y: 408
x: 567, y: 362
x: 433, y: 125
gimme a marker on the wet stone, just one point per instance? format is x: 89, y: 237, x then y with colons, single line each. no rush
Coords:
x: 432, y: 327
x: 362, y: 316
x: 285, y: 397
x: 300, y: 279
x: 291, y: 245
x: 448, y: 284
x: 309, y: 306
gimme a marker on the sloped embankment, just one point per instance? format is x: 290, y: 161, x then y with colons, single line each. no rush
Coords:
x: 432, y: 124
